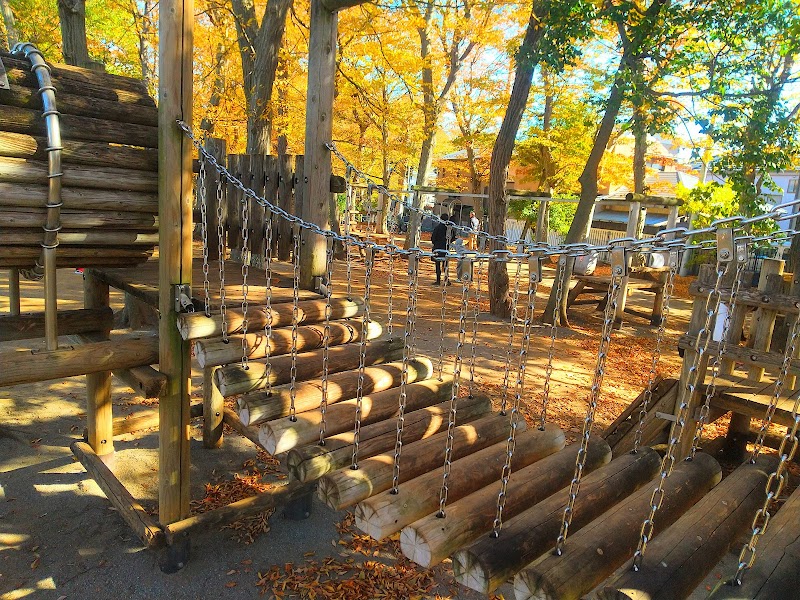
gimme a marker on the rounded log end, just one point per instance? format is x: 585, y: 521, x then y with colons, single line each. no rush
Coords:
x: 277, y: 440
x: 528, y: 586
x: 415, y: 547
x: 200, y: 355
x: 368, y: 521
x: 244, y: 416
x: 469, y: 572
x: 328, y: 493
x: 374, y: 330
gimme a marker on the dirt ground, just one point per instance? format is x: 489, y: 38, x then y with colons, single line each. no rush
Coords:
x: 60, y: 539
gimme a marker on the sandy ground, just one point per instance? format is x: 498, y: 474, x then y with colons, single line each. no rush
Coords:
x: 59, y: 537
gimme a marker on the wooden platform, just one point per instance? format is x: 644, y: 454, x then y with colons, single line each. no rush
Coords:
x: 736, y: 393
x: 142, y: 283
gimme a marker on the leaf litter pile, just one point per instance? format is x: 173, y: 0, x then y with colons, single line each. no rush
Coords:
x: 365, y: 568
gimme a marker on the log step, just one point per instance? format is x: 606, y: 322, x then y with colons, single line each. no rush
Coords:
x: 311, y: 462
x: 257, y: 407
x: 490, y: 562
x: 215, y: 351
x: 348, y: 486
x: 281, y: 435
x: 594, y: 552
x: 385, y: 514
x: 679, y: 558
x: 432, y: 539
x: 197, y: 325
x: 234, y: 379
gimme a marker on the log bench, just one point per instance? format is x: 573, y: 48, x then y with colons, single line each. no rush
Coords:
x: 651, y: 280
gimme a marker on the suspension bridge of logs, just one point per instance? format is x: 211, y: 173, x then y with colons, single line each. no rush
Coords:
x: 92, y: 175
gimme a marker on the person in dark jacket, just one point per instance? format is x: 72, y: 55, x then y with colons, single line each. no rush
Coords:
x: 441, y: 238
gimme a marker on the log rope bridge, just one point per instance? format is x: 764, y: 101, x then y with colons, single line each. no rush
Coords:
x: 353, y: 410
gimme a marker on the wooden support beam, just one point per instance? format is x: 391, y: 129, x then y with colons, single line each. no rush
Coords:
x: 386, y: 513
x: 311, y: 462
x: 99, y: 415
x: 213, y: 407
x: 31, y: 325
x: 146, y: 419
x: 231, y: 419
x: 776, y: 570
x: 679, y: 558
x: 594, y: 552
x: 782, y: 303
x: 432, y: 539
x: 29, y: 366
x: 176, y: 20
x: 216, y: 351
x: 258, y: 407
x: 277, y: 496
x: 197, y: 325
x: 233, y: 379
x: 281, y: 435
x: 319, y: 131
x: 349, y: 486
x: 490, y: 562
x: 145, y: 381
x: 13, y: 292
x: 143, y: 525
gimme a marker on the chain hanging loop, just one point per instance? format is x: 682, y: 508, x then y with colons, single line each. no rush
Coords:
x: 511, y: 335
x: 223, y: 309
x: 548, y: 371
x: 475, y: 316
x: 369, y: 258
x: 268, y: 304
x: 326, y: 336
x: 202, y: 180
x: 295, y: 320
x: 245, y: 271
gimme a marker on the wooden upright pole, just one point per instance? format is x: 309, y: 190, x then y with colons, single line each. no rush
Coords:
x: 13, y: 292
x: 175, y: 251
x: 319, y: 115
x: 99, y: 417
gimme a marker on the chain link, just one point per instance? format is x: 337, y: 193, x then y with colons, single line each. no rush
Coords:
x: 451, y: 421
x: 548, y: 370
x: 223, y: 309
x: 295, y: 321
x: 669, y: 286
x: 326, y: 337
x: 390, y: 289
x: 511, y: 442
x: 369, y: 258
x: 245, y: 286
x: 597, y: 383
x: 668, y: 461
x: 511, y: 335
x: 348, y: 248
x: 268, y: 303
x: 476, y: 315
x: 411, y: 317
x: 201, y: 193
x: 445, y: 281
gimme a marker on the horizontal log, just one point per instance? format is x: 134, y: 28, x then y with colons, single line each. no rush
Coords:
x: 776, y: 569
x: 18, y: 236
x: 623, y: 439
x: 20, y: 170
x: 74, y: 252
x: 19, y: 195
x: 679, y: 558
x: 82, y: 105
x: 386, y: 513
x: 30, y: 147
x: 86, y: 81
x: 146, y: 419
x: 145, y: 381
x: 278, y: 495
x: 233, y: 379
x: 432, y: 539
x: 231, y: 419
x: 64, y: 262
x: 308, y: 463
x: 348, y: 486
x: 35, y: 217
x: 143, y: 525
x: 212, y: 352
x: 198, y: 325
x: 653, y: 200
x: 123, y: 352
x: 31, y: 325
x: 771, y: 361
x: 257, y: 407
x: 281, y: 435
x: 782, y: 303
x: 489, y: 562
x: 73, y: 127
x: 594, y: 552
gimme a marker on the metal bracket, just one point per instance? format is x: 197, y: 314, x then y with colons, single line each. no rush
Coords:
x: 182, y: 293
x: 3, y: 78
x: 673, y: 259
x: 619, y: 264
x: 413, y: 263
x: 741, y: 252
x: 535, y: 269
x: 725, y: 250
x: 666, y: 417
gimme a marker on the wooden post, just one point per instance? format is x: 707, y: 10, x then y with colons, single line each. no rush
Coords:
x: 176, y: 19
x: 99, y: 417
x: 213, y: 405
x: 283, y: 196
x: 298, y: 184
x: 218, y: 150
x: 634, y: 214
x: 13, y: 292
x: 319, y: 129
x: 543, y: 221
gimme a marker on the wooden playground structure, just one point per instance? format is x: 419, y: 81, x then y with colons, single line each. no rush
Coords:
x: 353, y: 410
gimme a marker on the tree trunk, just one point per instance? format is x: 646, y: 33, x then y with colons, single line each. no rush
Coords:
x: 499, y: 301
x: 10, y: 26
x: 639, y: 149
x: 72, y: 14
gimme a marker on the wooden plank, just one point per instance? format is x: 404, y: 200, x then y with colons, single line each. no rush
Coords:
x: 770, y: 361
x: 27, y: 326
x: 20, y: 170
x: 145, y: 241
x: 782, y: 303
x: 217, y: 149
x: 770, y: 281
x: 679, y: 558
x: 36, y: 217
x: 653, y: 425
x: 146, y: 419
x: 18, y: 195
x: 176, y: 19
x: 143, y: 525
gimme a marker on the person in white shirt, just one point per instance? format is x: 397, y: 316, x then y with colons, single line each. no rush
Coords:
x: 475, y: 225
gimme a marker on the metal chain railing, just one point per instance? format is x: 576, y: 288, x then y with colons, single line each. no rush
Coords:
x: 369, y: 258
x: 326, y: 338
x: 268, y: 303
x: 475, y: 317
x: 223, y: 309
x: 203, y: 200
x: 295, y: 322
x: 511, y: 335
x: 548, y: 370
x: 245, y: 285
x: 445, y: 281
